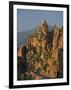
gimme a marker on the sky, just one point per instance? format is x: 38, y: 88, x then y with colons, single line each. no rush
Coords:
x: 30, y: 19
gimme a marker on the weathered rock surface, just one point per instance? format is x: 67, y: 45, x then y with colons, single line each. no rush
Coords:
x: 44, y: 55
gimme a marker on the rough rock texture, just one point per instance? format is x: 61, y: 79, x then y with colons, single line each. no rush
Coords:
x: 44, y: 53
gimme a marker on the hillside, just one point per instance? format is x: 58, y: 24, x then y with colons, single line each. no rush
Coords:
x: 41, y: 56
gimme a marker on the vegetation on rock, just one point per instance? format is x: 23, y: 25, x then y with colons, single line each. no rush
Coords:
x: 40, y: 57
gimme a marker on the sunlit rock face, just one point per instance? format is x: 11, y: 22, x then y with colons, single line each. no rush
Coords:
x: 44, y: 27
x: 44, y: 53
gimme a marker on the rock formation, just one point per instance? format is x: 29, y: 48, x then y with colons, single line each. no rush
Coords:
x: 44, y: 55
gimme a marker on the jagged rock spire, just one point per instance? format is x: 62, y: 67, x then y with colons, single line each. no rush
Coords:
x: 43, y: 26
x: 43, y: 22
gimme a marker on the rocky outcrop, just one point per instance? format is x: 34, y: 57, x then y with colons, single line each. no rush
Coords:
x: 44, y: 52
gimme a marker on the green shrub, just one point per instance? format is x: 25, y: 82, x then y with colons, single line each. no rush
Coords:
x: 49, y: 55
x: 45, y: 67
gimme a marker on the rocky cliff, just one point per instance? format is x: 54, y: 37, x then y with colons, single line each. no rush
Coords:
x: 44, y: 53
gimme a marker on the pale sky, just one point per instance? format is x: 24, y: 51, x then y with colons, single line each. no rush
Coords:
x: 30, y: 19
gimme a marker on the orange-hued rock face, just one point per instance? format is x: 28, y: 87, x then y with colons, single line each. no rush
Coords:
x: 52, y: 71
x: 44, y: 52
x: 19, y: 53
x: 57, y: 38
